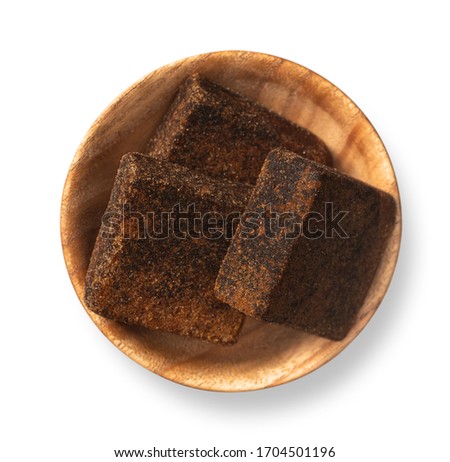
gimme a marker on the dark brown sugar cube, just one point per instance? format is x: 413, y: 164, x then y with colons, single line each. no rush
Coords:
x: 307, y: 248
x: 213, y: 130
x: 160, y: 247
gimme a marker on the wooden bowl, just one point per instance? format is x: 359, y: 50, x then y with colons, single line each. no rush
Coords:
x: 265, y: 355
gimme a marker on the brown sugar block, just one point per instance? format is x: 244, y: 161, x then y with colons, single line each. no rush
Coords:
x: 154, y: 264
x: 213, y: 130
x: 312, y: 267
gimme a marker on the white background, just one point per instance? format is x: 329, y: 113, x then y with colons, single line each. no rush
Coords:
x: 66, y: 392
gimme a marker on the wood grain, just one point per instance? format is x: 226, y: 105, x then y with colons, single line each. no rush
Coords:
x: 266, y: 355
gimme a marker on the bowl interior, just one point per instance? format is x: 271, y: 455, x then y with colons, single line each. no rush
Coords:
x: 265, y: 355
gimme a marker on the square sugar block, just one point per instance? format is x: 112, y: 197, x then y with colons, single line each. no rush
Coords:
x: 162, y: 240
x: 308, y: 250
x: 215, y: 131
